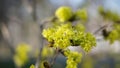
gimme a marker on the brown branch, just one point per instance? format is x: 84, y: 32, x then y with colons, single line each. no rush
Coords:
x: 101, y: 28
x: 55, y: 57
x: 37, y: 65
x: 51, y: 19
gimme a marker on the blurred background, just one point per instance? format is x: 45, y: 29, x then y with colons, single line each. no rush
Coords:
x: 20, y: 23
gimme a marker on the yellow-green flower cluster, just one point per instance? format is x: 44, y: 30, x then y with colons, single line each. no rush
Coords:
x: 81, y: 14
x: 60, y: 36
x: 73, y: 58
x: 87, y: 42
x: 113, y: 35
x: 115, y: 17
x: 65, y: 13
x: 21, y: 55
x: 67, y: 35
x: 48, y: 34
x: 64, y: 34
x: 107, y: 14
x: 79, y: 27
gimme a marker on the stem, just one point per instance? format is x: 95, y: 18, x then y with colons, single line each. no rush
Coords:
x: 48, y: 20
x: 55, y: 57
x: 38, y: 61
x: 101, y: 28
x: 37, y: 65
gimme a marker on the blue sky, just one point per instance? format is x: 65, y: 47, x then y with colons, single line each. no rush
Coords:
x: 113, y: 5
x: 72, y: 3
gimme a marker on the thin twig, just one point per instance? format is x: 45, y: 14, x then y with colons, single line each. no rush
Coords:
x: 55, y: 57
x: 101, y: 28
x: 37, y: 64
x: 48, y: 20
x: 41, y: 48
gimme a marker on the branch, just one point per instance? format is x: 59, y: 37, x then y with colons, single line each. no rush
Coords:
x: 37, y: 65
x: 55, y: 57
x: 52, y: 19
x: 101, y: 28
